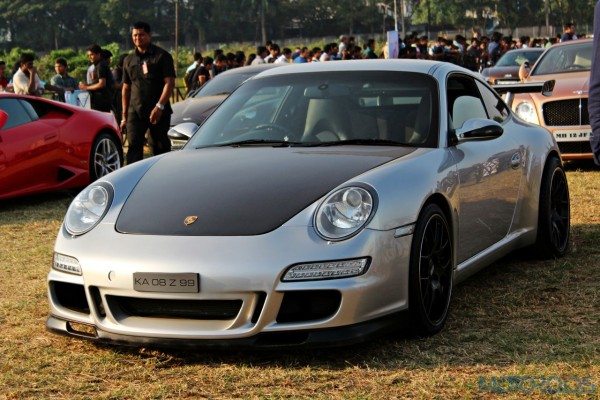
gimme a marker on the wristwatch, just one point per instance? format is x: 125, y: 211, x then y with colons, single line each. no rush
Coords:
x: 160, y: 106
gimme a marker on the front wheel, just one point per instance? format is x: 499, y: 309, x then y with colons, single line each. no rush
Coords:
x: 431, y: 272
x: 554, y: 218
x: 106, y: 156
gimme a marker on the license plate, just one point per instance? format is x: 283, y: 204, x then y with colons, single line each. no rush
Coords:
x: 164, y: 282
x: 572, y: 135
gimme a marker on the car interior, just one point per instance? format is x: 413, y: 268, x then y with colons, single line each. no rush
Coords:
x: 328, y: 109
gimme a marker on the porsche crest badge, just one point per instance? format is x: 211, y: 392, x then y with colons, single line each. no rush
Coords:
x: 190, y: 220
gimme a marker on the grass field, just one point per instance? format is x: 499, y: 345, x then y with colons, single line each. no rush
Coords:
x: 519, y: 329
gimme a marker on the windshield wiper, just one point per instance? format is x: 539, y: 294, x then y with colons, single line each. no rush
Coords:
x: 367, y: 142
x: 253, y: 142
x: 284, y: 143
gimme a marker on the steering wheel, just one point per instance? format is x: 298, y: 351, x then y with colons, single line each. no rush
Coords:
x: 274, y: 127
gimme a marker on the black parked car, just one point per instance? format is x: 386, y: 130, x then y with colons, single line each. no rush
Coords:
x: 200, y: 103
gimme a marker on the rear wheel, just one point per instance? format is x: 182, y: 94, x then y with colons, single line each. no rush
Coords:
x: 106, y: 156
x: 554, y: 218
x: 431, y: 272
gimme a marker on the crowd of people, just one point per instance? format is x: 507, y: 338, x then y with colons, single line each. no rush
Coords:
x: 111, y: 90
x: 475, y: 53
x: 104, y: 84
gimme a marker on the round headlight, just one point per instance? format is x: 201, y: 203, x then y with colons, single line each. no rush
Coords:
x: 344, y: 213
x: 88, y: 208
x: 526, y: 111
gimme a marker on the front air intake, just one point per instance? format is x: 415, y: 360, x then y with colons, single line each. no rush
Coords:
x: 177, y: 309
x: 308, y: 305
x: 70, y: 296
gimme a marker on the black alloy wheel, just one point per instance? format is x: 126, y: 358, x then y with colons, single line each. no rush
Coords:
x: 431, y: 271
x: 554, y: 218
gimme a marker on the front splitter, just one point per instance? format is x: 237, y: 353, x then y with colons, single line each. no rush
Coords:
x: 331, y: 337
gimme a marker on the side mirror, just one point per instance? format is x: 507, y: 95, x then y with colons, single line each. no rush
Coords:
x: 182, y: 131
x: 3, y: 118
x: 548, y: 88
x: 479, y: 129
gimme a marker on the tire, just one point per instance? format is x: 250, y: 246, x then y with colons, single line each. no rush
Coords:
x: 431, y: 272
x: 554, y: 218
x: 106, y: 156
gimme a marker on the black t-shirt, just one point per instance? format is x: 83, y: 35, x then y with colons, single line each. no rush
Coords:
x: 200, y: 71
x: 102, y: 98
x: 147, y: 82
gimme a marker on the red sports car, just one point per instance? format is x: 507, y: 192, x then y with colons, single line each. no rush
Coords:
x: 46, y: 145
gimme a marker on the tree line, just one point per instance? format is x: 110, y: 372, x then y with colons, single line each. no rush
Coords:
x: 44, y: 25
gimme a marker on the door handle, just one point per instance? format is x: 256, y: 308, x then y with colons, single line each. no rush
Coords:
x: 50, y: 136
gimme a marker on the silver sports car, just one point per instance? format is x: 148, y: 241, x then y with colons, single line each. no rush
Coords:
x: 316, y: 205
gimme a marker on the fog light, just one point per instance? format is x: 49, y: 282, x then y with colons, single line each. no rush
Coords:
x: 66, y: 264
x: 326, y: 270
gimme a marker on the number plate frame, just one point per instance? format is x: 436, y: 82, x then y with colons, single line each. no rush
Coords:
x: 572, y: 135
x: 166, y: 282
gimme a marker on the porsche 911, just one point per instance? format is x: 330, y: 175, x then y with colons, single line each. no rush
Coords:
x: 319, y: 204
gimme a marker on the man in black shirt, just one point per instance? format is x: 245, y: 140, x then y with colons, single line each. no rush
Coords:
x: 101, y: 87
x: 148, y: 80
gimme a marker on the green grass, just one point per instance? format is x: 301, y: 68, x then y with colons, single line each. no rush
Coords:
x: 521, y: 328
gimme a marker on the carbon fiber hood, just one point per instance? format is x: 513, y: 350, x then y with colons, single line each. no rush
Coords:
x: 240, y: 191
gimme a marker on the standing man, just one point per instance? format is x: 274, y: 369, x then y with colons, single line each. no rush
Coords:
x: 369, y: 51
x: 594, y: 95
x: 148, y: 80
x: 26, y: 79
x: 568, y: 32
x: 101, y: 87
x: 261, y: 53
x: 62, y: 79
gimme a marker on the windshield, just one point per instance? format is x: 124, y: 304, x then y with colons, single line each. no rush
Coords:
x: 327, y: 108
x: 222, y: 84
x: 516, y: 58
x: 569, y: 58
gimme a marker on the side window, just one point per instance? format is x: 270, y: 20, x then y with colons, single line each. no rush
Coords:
x: 464, y: 101
x: 17, y: 115
x: 493, y: 104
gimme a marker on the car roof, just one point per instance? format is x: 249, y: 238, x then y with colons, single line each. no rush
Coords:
x: 400, y: 65
x: 572, y: 42
x: 249, y: 69
x: 526, y: 49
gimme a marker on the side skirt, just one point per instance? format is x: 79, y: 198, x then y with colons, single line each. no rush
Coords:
x: 513, y: 241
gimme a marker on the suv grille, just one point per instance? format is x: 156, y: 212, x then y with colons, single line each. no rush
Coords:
x: 566, y: 112
x: 575, y: 147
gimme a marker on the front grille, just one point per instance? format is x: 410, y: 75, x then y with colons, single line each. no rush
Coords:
x: 566, y: 112
x: 575, y: 147
x: 179, y: 309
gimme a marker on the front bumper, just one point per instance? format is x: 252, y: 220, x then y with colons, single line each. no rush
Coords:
x: 243, y: 269
x: 332, y: 337
x: 573, y: 141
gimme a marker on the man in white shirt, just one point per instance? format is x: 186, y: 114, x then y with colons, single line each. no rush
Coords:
x: 343, y: 46
x: 261, y: 53
x: 274, y: 54
x: 194, y: 65
x: 26, y: 79
x: 285, y: 57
